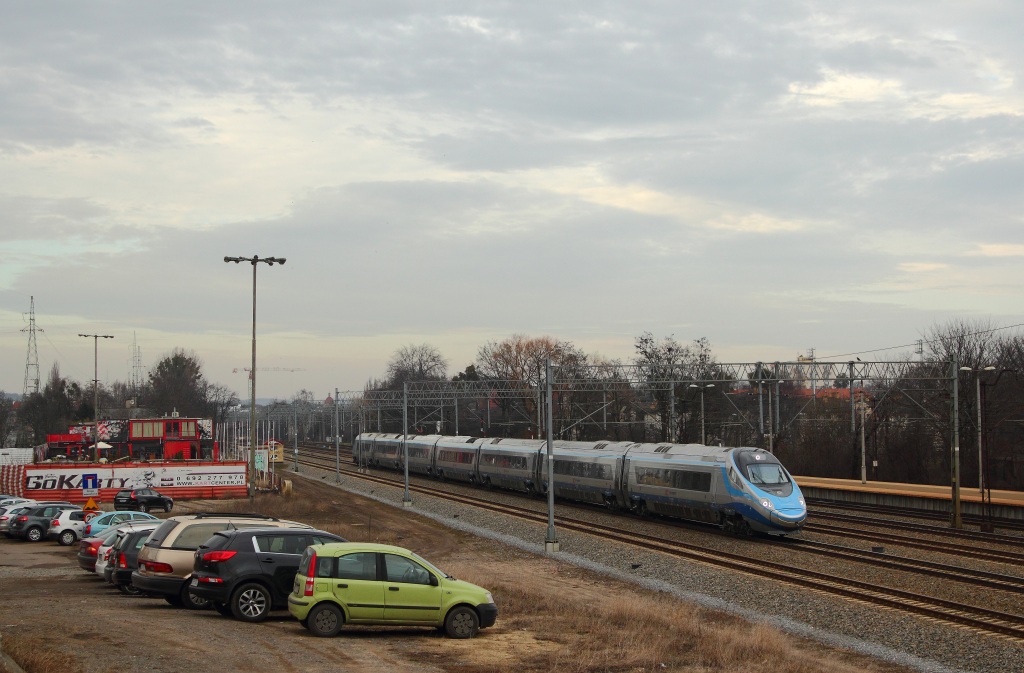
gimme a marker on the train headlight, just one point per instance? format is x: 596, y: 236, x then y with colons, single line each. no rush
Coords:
x: 802, y: 503
x: 767, y: 504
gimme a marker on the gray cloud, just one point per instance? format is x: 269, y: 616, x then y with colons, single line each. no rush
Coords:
x: 773, y: 177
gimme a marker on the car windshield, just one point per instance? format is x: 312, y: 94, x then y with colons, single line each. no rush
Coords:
x: 431, y: 566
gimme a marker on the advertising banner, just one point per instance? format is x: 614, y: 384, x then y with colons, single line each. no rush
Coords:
x: 178, y: 480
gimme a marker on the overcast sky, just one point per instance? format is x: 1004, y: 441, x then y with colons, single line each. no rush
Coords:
x: 772, y: 176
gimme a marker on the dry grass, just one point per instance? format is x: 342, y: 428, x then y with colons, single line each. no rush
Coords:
x: 25, y: 651
x: 323, y: 513
x: 650, y: 632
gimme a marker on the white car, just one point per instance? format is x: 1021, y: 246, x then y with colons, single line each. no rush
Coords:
x: 67, y: 526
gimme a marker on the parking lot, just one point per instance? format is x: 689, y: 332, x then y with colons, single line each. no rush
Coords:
x: 83, y: 624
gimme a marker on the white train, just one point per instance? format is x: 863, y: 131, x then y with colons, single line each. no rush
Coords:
x: 741, y: 489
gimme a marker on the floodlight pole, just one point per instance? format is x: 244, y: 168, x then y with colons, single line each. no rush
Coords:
x: 550, y: 542
x: 956, y: 519
x: 337, y: 441
x: 254, y: 260
x: 96, y: 391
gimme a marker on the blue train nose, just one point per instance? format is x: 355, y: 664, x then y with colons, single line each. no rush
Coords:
x: 789, y: 518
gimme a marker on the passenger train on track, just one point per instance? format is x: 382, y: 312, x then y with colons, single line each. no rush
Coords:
x: 740, y: 489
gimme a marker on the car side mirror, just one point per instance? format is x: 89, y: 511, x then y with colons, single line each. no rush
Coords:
x: 433, y: 580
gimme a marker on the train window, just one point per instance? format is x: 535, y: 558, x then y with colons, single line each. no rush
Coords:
x: 512, y: 462
x: 575, y: 468
x: 452, y: 456
x: 685, y: 480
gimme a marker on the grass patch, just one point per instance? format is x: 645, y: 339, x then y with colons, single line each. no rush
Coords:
x: 646, y: 631
x: 25, y: 651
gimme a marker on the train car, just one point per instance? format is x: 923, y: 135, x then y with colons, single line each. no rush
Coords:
x: 679, y: 480
x: 387, y: 452
x: 740, y: 489
x: 456, y: 458
x: 364, y: 448
x: 581, y: 474
x: 763, y: 492
x: 421, y: 453
x: 510, y: 463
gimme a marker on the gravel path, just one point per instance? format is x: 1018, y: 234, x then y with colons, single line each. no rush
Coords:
x: 910, y: 641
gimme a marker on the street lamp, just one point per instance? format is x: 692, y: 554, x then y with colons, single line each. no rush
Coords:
x: 96, y: 391
x: 702, y: 389
x: 984, y: 482
x: 254, y: 260
x: 977, y: 382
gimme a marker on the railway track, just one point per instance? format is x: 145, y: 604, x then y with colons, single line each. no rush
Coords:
x: 910, y: 513
x: 917, y: 528
x: 979, y: 619
x: 943, y: 547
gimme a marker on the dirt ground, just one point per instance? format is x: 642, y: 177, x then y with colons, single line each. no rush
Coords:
x: 80, y: 623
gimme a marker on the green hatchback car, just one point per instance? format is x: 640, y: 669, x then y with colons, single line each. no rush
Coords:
x: 360, y: 583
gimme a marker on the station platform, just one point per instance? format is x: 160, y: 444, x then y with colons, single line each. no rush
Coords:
x: 1007, y: 505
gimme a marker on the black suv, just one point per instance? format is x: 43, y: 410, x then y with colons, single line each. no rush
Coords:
x: 249, y: 572
x: 142, y: 499
x: 32, y: 523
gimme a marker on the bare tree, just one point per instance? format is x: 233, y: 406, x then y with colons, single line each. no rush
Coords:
x: 7, y: 418
x: 522, y: 358
x: 416, y: 363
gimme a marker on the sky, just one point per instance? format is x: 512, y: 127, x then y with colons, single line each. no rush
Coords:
x: 774, y: 177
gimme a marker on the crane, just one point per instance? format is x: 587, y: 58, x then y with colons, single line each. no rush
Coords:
x: 268, y: 369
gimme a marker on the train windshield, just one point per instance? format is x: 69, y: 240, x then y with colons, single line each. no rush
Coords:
x: 767, y: 474
x: 764, y: 471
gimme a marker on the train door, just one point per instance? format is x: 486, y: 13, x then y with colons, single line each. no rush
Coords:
x: 618, y: 485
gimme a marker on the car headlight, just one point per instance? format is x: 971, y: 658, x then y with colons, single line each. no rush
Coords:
x: 490, y: 598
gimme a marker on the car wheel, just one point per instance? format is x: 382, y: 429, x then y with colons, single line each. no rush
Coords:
x: 222, y: 608
x: 128, y: 589
x: 325, y: 620
x: 250, y: 602
x: 34, y: 534
x: 191, y: 601
x: 174, y: 600
x: 67, y: 538
x: 461, y: 622
x: 167, y: 507
x: 143, y: 508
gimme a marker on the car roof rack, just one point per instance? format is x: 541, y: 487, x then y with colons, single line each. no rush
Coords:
x: 235, y: 515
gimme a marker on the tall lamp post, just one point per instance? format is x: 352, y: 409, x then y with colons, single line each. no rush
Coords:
x: 96, y: 391
x: 977, y: 383
x: 254, y: 260
x: 984, y: 482
x: 702, y: 387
